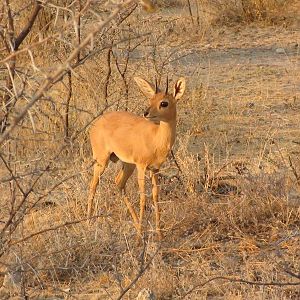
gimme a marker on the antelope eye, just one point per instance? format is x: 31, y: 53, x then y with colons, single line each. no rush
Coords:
x: 164, y: 104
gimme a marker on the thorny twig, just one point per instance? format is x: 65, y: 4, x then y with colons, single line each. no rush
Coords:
x: 294, y: 170
x: 12, y: 222
x: 239, y: 280
x: 57, y: 75
x: 54, y: 228
x: 141, y: 272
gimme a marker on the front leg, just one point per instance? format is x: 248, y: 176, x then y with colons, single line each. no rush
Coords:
x: 141, y: 170
x: 155, y: 192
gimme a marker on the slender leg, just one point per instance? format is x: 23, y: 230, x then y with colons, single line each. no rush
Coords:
x: 123, y: 175
x: 155, y: 192
x: 141, y: 181
x: 121, y: 179
x: 132, y: 212
x: 98, y: 171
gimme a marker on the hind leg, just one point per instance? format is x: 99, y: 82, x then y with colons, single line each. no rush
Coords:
x: 98, y: 171
x: 121, y: 179
x: 123, y: 175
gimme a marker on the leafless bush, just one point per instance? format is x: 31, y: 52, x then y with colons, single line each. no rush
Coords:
x: 243, y: 11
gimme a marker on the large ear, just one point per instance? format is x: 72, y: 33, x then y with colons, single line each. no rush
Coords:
x: 179, y: 88
x: 145, y: 87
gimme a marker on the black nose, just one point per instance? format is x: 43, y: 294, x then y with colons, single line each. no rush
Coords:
x: 146, y: 113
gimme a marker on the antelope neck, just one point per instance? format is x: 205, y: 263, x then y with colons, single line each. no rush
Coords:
x: 166, y: 134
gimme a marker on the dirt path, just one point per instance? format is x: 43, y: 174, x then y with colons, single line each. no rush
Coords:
x: 251, y: 79
x: 243, y: 98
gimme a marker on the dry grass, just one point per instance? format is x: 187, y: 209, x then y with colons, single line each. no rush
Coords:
x: 247, y: 11
x: 252, y: 234
x: 233, y: 208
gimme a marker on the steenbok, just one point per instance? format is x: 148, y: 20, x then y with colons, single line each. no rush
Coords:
x: 139, y: 142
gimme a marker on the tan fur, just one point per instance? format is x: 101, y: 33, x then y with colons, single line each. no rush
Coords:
x: 141, y: 142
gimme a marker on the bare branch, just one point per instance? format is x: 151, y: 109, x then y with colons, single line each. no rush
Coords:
x: 138, y: 276
x: 65, y: 224
x: 13, y: 177
x: 48, y: 82
x: 238, y: 280
x: 23, y: 34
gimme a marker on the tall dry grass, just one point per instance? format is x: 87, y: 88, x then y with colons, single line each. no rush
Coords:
x: 243, y: 11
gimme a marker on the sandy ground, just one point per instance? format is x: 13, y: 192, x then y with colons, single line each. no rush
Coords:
x: 248, y: 76
x: 252, y: 81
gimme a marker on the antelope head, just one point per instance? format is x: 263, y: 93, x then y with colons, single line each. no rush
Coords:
x: 162, y: 105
